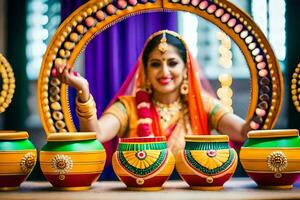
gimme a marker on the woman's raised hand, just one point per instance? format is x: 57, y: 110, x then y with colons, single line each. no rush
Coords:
x: 66, y: 75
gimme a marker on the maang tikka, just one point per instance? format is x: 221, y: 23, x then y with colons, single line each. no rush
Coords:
x: 163, y: 45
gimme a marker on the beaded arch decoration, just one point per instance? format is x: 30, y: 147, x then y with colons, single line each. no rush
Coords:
x: 8, y: 84
x: 295, y: 87
x: 96, y: 15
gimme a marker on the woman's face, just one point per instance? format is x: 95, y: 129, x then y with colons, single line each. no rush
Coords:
x: 165, y: 70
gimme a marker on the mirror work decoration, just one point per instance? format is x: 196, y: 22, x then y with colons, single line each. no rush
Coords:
x: 97, y: 15
x: 295, y: 87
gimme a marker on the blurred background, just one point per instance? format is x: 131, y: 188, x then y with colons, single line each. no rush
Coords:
x: 27, y: 26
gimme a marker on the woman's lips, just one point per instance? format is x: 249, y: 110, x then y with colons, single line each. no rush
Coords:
x: 165, y: 80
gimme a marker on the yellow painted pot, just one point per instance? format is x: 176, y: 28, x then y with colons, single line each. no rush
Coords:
x: 143, y: 163
x: 17, y: 159
x: 271, y: 157
x: 72, y: 161
x: 207, y: 162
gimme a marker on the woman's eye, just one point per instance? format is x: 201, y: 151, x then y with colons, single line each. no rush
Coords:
x: 173, y: 63
x: 155, y: 64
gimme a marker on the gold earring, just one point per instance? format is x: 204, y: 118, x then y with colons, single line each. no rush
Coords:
x: 148, y: 87
x: 184, y: 88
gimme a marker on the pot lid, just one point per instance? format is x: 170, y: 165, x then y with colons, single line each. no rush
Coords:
x: 13, y: 135
x: 206, y: 138
x: 273, y: 133
x: 71, y: 136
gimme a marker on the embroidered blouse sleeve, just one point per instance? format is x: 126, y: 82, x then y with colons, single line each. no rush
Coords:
x: 214, y: 108
x: 119, y: 111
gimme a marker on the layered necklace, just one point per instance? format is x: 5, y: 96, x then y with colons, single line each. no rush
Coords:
x: 166, y: 112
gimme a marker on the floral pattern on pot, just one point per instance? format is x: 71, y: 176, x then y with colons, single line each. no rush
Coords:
x: 142, y: 163
x: 201, y: 161
x: 207, y: 162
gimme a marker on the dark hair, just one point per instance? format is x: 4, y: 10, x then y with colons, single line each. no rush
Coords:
x: 171, y: 39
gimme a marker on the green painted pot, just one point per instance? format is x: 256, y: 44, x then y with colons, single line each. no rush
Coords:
x: 72, y: 161
x: 17, y: 159
x: 271, y: 157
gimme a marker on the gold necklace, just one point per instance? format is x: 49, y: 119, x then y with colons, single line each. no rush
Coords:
x: 167, y: 111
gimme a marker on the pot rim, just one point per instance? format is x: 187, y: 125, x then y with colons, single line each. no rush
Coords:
x: 206, y: 138
x: 273, y: 133
x: 71, y: 136
x: 142, y: 139
x: 13, y: 135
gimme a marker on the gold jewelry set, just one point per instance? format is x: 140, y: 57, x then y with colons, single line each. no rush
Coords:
x: 87, y: 109
x: 167, y: 111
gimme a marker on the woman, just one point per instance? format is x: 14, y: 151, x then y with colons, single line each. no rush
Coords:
x: 162, y: 97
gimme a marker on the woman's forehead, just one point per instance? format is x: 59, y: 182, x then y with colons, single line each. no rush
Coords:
x: 171, y: 52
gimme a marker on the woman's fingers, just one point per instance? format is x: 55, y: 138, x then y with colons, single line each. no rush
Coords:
x: 59, y: 65
x: 76, y: 74
x: 65, y: 73
x: 54, y: 72
x: 72, y: 72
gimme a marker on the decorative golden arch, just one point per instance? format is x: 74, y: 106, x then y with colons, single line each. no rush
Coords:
x: 295, y: 87
x: 97, y: 15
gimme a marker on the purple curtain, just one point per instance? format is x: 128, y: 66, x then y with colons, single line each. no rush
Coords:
x: 110, y: 56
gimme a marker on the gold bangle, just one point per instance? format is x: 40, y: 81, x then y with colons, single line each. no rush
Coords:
x: 86, y: 115
x: 87, y: 109
x: 85, y: 118
x: 83, y: 114
x: 91, y: 99
x: 86, y: 106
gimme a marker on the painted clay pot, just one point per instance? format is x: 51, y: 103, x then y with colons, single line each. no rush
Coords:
x: 271, y: 157
x: 72, y: 161
x: 143, y: 163
x: 17, y: 159
x: 207, y: 162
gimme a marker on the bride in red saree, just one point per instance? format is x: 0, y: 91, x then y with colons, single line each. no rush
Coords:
x: 161, y: 97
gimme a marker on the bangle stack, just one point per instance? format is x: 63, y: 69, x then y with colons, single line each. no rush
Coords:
x: 87, y: 109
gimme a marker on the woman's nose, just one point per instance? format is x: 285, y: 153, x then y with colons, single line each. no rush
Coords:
x: 165, y: 69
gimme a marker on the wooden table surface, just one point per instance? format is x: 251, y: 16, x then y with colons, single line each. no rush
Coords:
x: 236, y: 188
